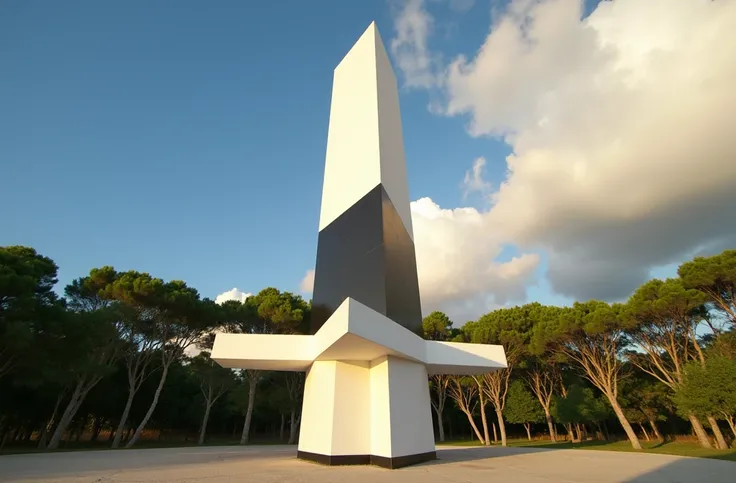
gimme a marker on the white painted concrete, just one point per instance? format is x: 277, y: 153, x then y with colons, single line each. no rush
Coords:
x: 366, y: 390
x: 364, y: 141
x: 354, y: 332
x: 410, y: 408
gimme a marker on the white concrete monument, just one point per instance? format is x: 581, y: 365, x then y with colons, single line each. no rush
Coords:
x: 366, y: 397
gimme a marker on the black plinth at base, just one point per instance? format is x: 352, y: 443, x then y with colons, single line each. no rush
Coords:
x: 367, y: 459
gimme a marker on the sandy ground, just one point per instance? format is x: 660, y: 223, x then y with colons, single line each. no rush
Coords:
x: 271, y: 464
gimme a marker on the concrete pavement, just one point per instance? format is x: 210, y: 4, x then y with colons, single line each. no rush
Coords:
x: 276, y: 464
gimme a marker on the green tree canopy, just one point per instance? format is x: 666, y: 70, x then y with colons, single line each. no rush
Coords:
x: 437, y: 326
x: 716, y: 277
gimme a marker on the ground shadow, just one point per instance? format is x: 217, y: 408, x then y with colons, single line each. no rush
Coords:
x: 687, y: 469
x: 458, y: 454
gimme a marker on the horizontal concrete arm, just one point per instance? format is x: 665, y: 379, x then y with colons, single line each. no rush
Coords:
x: 354, y: 332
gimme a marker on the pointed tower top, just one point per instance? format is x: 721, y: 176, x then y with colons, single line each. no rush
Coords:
x: 364, y: 143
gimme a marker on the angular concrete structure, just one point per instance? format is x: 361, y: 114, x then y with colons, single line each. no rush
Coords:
x: 366, y: 397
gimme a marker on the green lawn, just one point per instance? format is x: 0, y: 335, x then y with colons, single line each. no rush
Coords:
x: 669, y: 447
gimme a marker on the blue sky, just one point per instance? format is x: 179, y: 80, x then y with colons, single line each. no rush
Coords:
x: 187, y: 138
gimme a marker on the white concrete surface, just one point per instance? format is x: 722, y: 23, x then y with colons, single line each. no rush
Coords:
x: 366, y: 391
x: 277, y: 464
x: 354, y: 332
x: 365, y: 144
x: 379, y: 408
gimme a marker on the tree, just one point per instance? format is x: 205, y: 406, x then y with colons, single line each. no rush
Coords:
x: 716, y: 277
x: 542, y: 366
x: 646, y: 401
x: 439, y: 384
x: 138, y: 295
x: 664, y: 316
x: 295, y: 390
x: 182, y: 319
x: 27, y: 300
x: 709, y: 389
x: 463, y: 391
x: 269, y: 312
x: 509, y: 328
x: 579, y: 406
x: 522, y: 407
x: 593, y: 335
x: 88, y: 348
x: 214, y: 381
x: 437, y: 326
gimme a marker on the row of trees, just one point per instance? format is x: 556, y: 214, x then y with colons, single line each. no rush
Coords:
x: 115, y: 356
x: 669, y: 350
x: 126, y: 327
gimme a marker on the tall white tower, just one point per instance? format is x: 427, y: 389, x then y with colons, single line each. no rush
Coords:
x: 366, y: 396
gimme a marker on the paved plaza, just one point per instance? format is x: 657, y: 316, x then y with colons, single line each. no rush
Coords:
x: 276, y: 464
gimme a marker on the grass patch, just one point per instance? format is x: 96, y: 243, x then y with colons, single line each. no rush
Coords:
x: 668, y: 447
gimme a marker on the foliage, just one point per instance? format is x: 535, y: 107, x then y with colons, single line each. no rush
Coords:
x: 437, y: 326
x: 580, y: 405
x: 716, y: 277
x: 521, y: 405
x: 709, y: 389
x: 115, y: 363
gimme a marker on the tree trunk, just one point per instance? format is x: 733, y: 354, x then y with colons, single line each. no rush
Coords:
x: 206, y: 418
x: 501, y: 426
x: 570, y: 433
x: 731, y: 424
x: 139, y: 430
x: 599, y: 434
x: 483, y: 418
x: 495, y: 434
x: 654, y: 427
x: 644, y: 430
x: 579, y: 432
x: 294, y: 425
x: 550, y: 424
x: 67, y: 415
x: 474, y: 426
x: 283, y: 426
x: 624, y: 422
x: 528, y: 428
x: 605, y: 431
x: 700, y: 431
x: 720, y: 440
x: 252, y: 383
x: 43, y: 438
x: 440, y: 427
x: 123, y: 419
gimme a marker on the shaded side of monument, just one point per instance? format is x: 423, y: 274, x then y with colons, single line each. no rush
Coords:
x: 366, y: 396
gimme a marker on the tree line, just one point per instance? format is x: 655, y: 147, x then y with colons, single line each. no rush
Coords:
x: 123, y: 356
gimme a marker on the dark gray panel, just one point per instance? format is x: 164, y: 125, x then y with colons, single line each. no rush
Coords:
x: 367, y: 254
x: 350, y: 260
x: 402, y: 286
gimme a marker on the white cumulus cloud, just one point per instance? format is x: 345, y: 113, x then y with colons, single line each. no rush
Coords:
x: 457, y: 252
x: 232, y: 294
x: 307, y: 283
x: 474, y: 179
x: 413, y: 25
x: 621, y: 127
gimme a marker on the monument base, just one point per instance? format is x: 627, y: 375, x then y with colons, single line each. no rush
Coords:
x: 367, y: 459
x: 375, y: 412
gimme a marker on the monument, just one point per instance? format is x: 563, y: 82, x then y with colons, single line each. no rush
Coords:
x: 366, y: 395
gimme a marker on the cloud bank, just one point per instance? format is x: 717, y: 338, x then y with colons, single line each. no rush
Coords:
x: 623, y: 153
